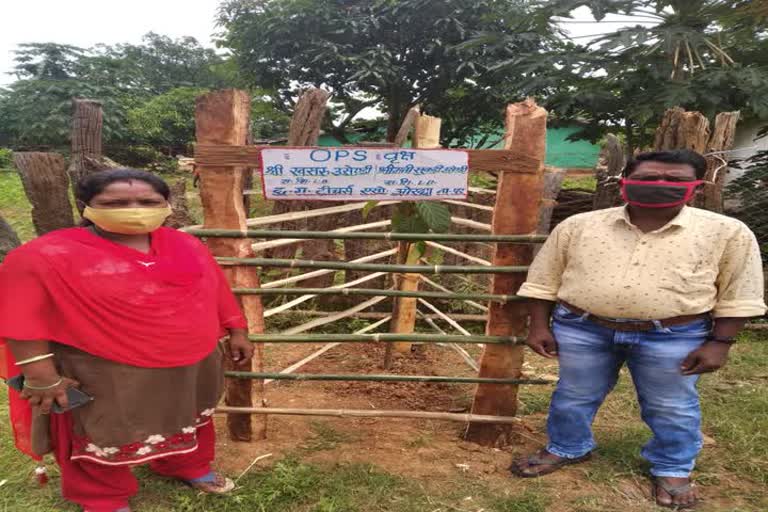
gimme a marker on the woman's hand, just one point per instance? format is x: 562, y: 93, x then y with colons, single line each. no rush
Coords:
x: 45, y: 398
x: 240, y: 348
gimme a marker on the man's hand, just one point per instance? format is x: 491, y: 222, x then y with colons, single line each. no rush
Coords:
x: 45, y: 398
x: 542, y: 342
x: 240, y: 348
x: 709, y: 357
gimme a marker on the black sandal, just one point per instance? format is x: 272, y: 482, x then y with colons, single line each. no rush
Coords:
x: 673, y: 490
x: 548, y: 466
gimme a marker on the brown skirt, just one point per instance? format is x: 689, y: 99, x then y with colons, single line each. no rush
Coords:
x: 138, y: 414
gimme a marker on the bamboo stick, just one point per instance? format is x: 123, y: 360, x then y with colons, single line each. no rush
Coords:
x: 306, y: 297
x: 460, y: 254
x: 378, y: 315
x: 306, y: 214
x: 375, y: 292
x: 444, y: 289
x: 318, y: 273
x: 478, y: 190
x: 382, y: 378
x: 385, y: 337
x: 326, y: 348
x: 374, y: 267
x: 261, y: 246
x: 355, y: 413
x: 445, y: 317
x: 394, y: 237
x: 460, y: 350
x: 333, y: 318
x: 469, y: 205
x: 471, y: 224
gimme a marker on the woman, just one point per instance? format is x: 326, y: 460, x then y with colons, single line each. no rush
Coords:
x: 131, y: 313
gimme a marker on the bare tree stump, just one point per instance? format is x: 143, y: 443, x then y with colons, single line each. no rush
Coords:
x: 222, y: 117
x: 680, y: 129
x: 9, y: 240
x: 610, y: 166
x: 44, y: 177
x: 518, y: 199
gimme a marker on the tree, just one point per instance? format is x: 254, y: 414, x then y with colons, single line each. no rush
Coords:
x: 705, y: 55
x: 392, y: 54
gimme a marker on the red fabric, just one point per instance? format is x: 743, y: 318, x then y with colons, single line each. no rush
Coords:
x: 101, y: 488
x: 163, y: 309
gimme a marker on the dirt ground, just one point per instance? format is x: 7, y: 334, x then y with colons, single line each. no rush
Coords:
x: 430, y: 452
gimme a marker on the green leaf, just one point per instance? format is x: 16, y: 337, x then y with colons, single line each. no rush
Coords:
x: 436, y: 215
x: 405, y: 220
x: 370, y: 205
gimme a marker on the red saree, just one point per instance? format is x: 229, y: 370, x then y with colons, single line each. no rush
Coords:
x: 164, y: 309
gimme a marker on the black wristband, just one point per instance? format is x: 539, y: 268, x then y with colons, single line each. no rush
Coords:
x: 728, y: 340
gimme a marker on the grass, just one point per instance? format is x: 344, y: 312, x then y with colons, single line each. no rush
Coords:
x: 14, y: 207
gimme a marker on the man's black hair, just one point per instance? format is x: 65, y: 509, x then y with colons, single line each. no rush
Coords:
x: 677, y: 156
x: 94, y: 184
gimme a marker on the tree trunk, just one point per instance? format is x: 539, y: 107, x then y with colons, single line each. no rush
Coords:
x: 222, y: 117
x: 9, y: 240
x: 682, y: 130
x: 609, y: 169
x: 518, y: 199
x: 44, y: 177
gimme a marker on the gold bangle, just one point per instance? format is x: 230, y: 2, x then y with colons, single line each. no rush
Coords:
x: 34, y: 359
x: 44, y: 388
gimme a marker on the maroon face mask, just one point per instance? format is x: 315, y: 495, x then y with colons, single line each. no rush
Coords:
x: 658, y: 194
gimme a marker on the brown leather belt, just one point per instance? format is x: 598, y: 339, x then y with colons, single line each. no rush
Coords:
x: 638, y: 326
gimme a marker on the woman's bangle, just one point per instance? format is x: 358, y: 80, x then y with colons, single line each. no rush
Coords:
x: 34, y: 359
x: 44, y: 388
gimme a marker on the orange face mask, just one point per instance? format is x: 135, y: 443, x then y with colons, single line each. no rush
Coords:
x: 128, y: 221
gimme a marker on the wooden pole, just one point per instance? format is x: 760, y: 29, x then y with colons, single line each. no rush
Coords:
x: 44, y: 177
x: 355, y: 413
x: 87, y: 122
x: 426, y: 135
x: 722, y: 138
x: 9, y: 240
x: 222, y: 117
x: 518, y: 198
x: 608, y: 173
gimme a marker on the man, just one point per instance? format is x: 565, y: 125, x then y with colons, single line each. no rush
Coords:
x: 657, y: 285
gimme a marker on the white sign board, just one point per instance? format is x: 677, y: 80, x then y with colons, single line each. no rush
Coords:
x: 346, y: 174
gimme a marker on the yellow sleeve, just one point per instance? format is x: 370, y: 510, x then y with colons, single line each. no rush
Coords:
x: 546, y: 271
x: 740, y: 285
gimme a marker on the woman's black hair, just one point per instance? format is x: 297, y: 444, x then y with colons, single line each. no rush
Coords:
x: 677, y: 156
x: 94, y: 184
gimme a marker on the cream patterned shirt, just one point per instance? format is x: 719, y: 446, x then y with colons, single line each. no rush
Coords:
x: 699, y: 262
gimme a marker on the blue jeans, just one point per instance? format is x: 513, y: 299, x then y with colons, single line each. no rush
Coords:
x: 590, y: 358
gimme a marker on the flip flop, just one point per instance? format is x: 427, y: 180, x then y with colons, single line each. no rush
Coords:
x: 212, y: 483
x: 548, y: 466
x: 673, y: 490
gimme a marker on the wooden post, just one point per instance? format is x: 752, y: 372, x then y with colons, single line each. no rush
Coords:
x: 87, y: 122
x: 9, y: 240
x: 180, y: 216
x: 304, y: 131
x: 682, y: 130
x: 518, y: 198
x: 426, y: 135
x: 44, y: 177
x: 222, y: 117
x: 552, y: 181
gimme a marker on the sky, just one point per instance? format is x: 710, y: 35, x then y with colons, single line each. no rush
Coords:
x: 85, y: 23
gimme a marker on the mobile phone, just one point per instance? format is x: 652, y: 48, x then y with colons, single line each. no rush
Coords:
x: 75, y: 397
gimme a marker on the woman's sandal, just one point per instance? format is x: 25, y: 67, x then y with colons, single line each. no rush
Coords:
x: 212, y: 483
x: 673, y: 490
x: 547, y: 466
